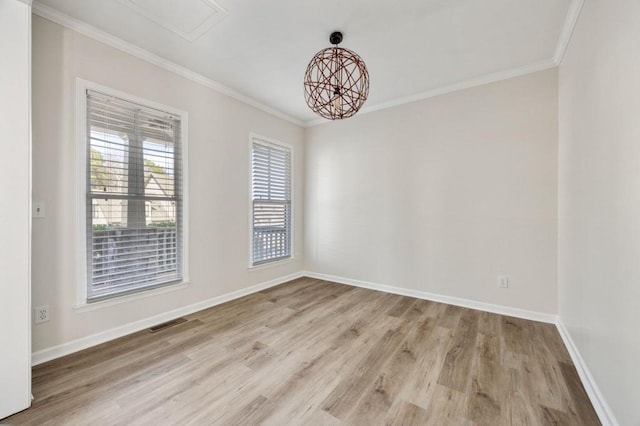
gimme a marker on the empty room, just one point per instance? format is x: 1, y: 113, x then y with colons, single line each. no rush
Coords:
x: 226, y: 212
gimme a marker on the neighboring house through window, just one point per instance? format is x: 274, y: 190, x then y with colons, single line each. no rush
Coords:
x: 271, y: 201
x: 134, y: 194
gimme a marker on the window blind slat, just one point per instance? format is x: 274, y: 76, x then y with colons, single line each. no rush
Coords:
x: 271, y: 194
x: 134, y: 200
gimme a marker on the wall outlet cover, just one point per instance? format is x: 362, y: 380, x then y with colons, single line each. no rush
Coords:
x: 503, y: 281
x: 41, y: 314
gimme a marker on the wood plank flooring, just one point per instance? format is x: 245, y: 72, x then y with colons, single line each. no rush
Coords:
x: 318, y: 353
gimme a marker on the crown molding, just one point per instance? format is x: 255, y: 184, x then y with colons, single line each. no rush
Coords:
x: 466, y: 84
x: 27, y: 2
x: 570, y: 23
x: 567, y: 30
x: 90, y: 31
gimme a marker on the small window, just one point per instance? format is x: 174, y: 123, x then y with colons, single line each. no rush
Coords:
x: 271, y: 201
x: 134, y: 197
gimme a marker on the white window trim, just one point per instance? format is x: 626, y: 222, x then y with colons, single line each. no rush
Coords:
x: 264, y: 265
x: 81, y: 188
x: 129, y: 297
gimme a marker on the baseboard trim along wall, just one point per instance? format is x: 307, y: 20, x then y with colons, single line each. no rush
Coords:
x: 58, y: 351
x: 597, y: 399
x: 465, y: 303
x: 599, y: 403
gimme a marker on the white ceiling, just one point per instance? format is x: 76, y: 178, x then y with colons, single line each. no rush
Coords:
x: 259, y: 50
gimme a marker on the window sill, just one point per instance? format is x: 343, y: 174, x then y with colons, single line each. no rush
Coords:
x: 270, y: 264
x: 86, y: 307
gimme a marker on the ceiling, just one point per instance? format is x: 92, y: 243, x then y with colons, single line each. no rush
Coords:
x: 258, y: 50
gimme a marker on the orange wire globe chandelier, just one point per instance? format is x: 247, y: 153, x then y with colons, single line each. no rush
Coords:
x: 336, y: 83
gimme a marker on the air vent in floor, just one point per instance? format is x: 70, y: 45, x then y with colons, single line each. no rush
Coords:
x: 168, y: 324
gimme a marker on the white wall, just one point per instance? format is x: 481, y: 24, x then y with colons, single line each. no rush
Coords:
x: 442, y: 195
x: 439, y: 196
x: 15, y: 186
x: 218, y: 172
x: 599, y: 199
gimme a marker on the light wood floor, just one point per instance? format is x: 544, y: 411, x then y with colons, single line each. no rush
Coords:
x: 315, y: 352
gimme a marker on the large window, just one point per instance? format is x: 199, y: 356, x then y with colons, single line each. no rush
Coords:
x: 134, y: 196
x: 271, y: 201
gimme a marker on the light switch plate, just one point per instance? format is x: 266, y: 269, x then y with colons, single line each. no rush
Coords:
x: 39, y: 210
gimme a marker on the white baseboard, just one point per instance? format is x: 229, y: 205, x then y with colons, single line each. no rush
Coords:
x: 597, y: 399
x: 465, y: 303
x: 599, y: 403
x: 58, y: 351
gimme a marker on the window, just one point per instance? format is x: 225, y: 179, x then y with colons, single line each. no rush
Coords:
x: 134, y: 195
x: 271, y: 201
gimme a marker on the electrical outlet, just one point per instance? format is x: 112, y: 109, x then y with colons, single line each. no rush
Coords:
x: 41, y: 314
x: 503, y: 281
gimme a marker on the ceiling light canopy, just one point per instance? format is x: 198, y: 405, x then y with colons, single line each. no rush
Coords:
x: 336, y: 83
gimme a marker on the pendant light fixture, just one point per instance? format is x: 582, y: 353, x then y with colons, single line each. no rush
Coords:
x: 336, y: 83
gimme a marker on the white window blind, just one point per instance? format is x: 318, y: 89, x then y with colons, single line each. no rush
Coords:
x: 134, y: 197
x: 271, y: 194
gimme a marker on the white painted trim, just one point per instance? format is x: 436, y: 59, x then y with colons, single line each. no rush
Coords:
x: 563, y: 42
x: 58, y: 351
x: 92, y: 32
x: 30, y: 189
x: 129, y: 297
x: 117, y: 43
x: 271, y: 264
x: 466, y: 84
x: 27, y: 2
x: 81, y: 189
x: 456, y: 301
x: 567, y: 30
x: 597, y: 399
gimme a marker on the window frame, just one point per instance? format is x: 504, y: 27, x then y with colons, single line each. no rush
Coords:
x: 268, y: 263
x: 81, y: 196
